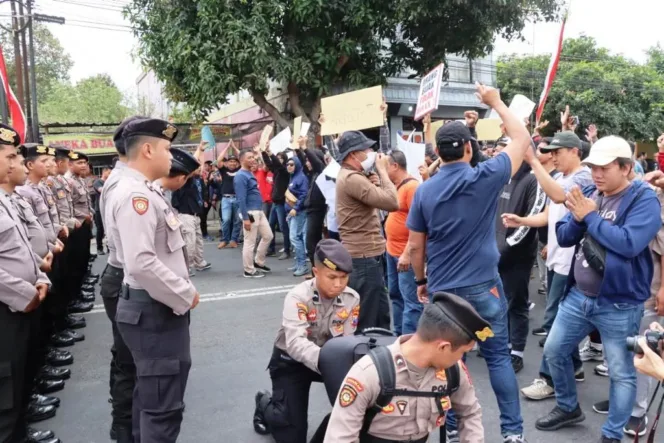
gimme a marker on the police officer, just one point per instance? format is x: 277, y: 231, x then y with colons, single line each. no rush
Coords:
x: 157, y: 295
x: 447, y: 329
x: 314, y: 312
x: 24, y: 286
x: 123, y: 370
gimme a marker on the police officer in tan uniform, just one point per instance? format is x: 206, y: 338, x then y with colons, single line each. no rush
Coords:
x: 447, y: 329
x: 314, y: 312
x: 23, y: 287
x: 157, y: 294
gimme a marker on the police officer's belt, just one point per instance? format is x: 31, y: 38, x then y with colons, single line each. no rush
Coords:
x: 137, y: 295
x: 371, y: 439
x: 113, y: 271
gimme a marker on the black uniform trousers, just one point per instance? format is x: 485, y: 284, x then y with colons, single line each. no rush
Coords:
x: 78, y: 258
x: 122, y: 378
x: 516, y: 277
x: 160, y: 344
x: 99, y: 231
x: 15, y: 340
x: 315, y: 222
x: 286, y: 414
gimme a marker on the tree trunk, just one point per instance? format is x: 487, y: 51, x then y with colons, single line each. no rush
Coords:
x: 273, y: 112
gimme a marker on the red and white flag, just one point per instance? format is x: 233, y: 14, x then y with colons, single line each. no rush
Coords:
x: 15, y: 112
x: 551, y: 73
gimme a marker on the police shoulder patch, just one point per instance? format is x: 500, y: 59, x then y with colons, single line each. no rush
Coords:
x: 347, y: 396
x: 140, y: 204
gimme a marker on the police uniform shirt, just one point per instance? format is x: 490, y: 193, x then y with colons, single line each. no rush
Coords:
x: 79, y: 196
x: 148, y: 238
x: 19, y: 269
x: 35, y: 196
x: 62, y: 195
x: 405, y: 417
x: 309, y: 321
x: 35, y: 230
x: 52, y: 207
x: 114, y: 259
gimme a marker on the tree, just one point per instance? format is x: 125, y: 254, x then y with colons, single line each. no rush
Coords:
x: 51, y: 61
x: 92, y: 100
x: 620, y: 96
x: 205, y: 50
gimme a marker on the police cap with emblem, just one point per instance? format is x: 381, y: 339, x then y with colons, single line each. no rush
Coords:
x: 32, y: 150
x: 150, y: 127
x: 60, y: 152
x: 8, y: 136
x: 74, y: 156
x: 183, y: 162
x: 462, y: 313
x: 119, y: 136
x: 333, y: 255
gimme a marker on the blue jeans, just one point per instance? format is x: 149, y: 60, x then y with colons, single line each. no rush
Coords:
x: 577, y: 316
x: 496, y: 353
x: 278, y: 215
x: 297, y: 227
x: 406, y: 308
x: 231, y: 224
x: 556, y: 284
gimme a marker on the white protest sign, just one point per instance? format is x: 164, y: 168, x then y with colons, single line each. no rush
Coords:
x: 521, y: 106
x: 281, y: 141
x: 332, y: 169
x: 429, y: 95
x: 414, y: 153
x: 304, y: 129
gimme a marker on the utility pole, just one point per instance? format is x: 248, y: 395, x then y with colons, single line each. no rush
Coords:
x: 26, y: 73
x: 33, y: 75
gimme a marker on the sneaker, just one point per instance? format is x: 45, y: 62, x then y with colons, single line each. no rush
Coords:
x: 558, y: 418
x: 542, y: 342
x: 602, y: 370
x: 221, y: 245
x: 292, y: 268
x: 262, y: 268
x: 281, y: 250
x: 579, y: 375
x: 590, y: 353
x: 208, y: 238
x: 540, y: 332
x: 531, y: 306
x: 205, y: 267
x: 636, y: 425
x: 539, y: 390
x: 602, y: 407
x: 541, y: 291
x: 606, y: 439
x: 261, y: 400
x: 514, y: 439
x: 255, y: 274
x: 452, y: 436
x: 299, y: 272
x: 284, y: 256
x: 517, y: 363
x: 191, y: 272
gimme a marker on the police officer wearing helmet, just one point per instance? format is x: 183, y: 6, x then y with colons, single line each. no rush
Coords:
x: 314, y: 312
x: 157, y: 294
x: 448, y: 328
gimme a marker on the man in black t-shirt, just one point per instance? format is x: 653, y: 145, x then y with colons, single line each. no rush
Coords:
x: 231, y: 225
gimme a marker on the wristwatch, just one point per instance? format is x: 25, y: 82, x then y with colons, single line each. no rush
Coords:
x: 422, y: 282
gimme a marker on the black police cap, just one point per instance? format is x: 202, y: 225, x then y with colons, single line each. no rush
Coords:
x: 60, y: 151
x: 9, y: 136
x: 463, y: 315
x: 351, y: 141
x: 150, y: 127
x: 118, y: 135
x: 183, y: 161
x: 74, y: 156
x: 31, y: 150
x: 333, y: 255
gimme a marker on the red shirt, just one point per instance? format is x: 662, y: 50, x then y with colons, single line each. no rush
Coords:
x: 265, y: 181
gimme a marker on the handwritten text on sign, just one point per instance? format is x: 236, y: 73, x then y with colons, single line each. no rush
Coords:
x: 429, y: 92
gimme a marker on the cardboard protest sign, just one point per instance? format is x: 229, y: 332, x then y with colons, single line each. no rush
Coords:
x: 265, y: 136
x: 521, y: 106
x: 281, y: 141
x: 429, y: 95
x: 304, y: 130
x: 352, y: 111
x: 414, y: 153
x: 297, y: 125
x: 488, y: 129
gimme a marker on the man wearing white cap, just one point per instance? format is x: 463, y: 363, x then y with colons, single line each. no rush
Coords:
x: 610, y: 224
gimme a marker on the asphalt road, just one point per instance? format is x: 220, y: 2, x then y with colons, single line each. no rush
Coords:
x: 233, y: 330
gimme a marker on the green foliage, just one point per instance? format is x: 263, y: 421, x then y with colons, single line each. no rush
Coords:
x: 620, y: 96
x: 92, y: 100
x: 206, y: 50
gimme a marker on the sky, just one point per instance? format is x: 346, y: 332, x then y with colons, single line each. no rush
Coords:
x: 627, y: 27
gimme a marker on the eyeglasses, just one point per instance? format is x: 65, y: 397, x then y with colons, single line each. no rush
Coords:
x: 290, y: 164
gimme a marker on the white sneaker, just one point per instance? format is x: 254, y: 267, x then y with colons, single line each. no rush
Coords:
x: 514, y: 439
x: 602, y: 370
x: 539, y: 390
x: 590, y: 353
x: 452, y: 436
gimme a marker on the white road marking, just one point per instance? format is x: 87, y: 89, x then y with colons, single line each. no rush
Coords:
x: 219, y: 296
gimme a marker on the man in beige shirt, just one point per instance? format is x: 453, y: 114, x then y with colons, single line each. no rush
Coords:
x: 314, y: 312
x: 360, y: 194
x: 448, y: 328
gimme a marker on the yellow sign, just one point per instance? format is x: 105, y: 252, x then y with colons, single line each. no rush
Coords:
x: 297, y: 126
x: 88, y: 144
x: 217, y: 131
x: 352, y: 111
x: 488, y: 129
x: 265, y: 136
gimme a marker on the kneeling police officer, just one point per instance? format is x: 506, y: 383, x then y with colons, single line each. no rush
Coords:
x: 420, y: 364
x: 314, y: 312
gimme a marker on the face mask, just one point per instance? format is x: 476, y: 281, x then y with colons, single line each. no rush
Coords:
x: 369, y: 162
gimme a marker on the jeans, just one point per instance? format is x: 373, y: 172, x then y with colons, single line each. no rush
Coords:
x: 556, y: 285
x: 278, y: 215
x: 577, y: 316
x: 516, y: 277
x: 406, y: 308
x: 493, y: 308
x: 368, y: 280
x: 541, y: 266
x: 231, y: 224
x: 297, y: 226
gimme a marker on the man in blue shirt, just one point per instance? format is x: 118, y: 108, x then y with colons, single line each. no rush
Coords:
x: 250, y: 205
x: 452, y: 223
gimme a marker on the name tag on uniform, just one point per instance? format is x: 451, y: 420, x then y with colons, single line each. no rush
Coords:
x: 61, y: 194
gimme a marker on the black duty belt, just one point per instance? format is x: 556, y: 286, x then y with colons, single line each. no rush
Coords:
x: 137, y: 295
x: 113, y: 271
x: 371, y: 439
